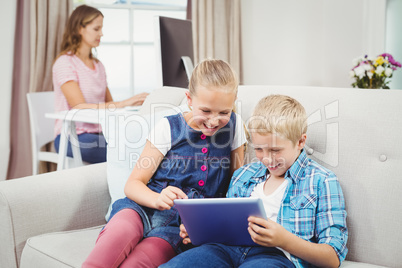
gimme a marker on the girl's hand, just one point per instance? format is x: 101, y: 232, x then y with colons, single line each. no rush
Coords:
x: 266, y: 232
x: 184, y: 234
x: 166, y: 197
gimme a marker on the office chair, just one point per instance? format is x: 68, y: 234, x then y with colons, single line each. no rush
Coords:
x: 42, y: 128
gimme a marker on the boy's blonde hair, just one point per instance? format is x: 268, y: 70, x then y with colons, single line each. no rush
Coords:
x: 216, y: 73
x: 280, y: 115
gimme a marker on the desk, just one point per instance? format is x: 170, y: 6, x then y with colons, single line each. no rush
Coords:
x: 68, y: 132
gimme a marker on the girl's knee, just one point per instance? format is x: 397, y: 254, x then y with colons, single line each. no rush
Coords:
x: 126, y: 223
x: 150, y: 252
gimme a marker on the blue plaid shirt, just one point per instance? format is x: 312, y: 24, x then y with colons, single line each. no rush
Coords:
x: 312, y: 208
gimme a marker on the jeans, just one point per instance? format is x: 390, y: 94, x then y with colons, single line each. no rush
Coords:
x: 220, y: 256
x: 92, y: 146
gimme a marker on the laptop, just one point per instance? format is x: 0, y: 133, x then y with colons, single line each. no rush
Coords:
x: 219, y: 220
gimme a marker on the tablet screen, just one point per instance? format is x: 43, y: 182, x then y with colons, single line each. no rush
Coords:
x: 219, y: 220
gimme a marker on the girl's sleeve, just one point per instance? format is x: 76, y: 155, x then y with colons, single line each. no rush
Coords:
x: 240, y: 134
x: 160, y: 136
x: 64, y: 71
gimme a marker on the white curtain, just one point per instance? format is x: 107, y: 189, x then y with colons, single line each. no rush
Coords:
x: 48, y: 19
x: 39, y: 28
x: 216, y: 31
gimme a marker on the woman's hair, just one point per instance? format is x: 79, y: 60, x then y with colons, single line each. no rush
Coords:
x: 280, y: 115
x: 81, y: 17
x: 213, y: 73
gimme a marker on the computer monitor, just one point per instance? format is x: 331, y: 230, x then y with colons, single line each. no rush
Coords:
x: 173, y: 40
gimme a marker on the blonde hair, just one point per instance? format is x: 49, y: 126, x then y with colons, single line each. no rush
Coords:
x: 81, y: 17
x: 280, y: 115
x: 213, y: 73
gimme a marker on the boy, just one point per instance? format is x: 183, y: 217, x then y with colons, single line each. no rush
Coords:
x: 304, y: 202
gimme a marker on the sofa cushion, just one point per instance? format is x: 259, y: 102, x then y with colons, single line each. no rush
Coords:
x: 64, y: 200
x: 352, y: 264
x: 70, y: 249
x: 62, y: 249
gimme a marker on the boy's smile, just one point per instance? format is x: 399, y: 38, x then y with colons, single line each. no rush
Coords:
x: 276, y: 152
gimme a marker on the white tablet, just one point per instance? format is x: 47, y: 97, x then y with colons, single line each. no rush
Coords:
x: 219, y: 220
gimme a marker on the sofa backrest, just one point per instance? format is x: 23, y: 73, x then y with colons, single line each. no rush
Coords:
x: 355, y: 133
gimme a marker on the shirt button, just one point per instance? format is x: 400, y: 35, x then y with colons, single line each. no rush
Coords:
x: 201, y: 183
x: 203, y: 136
x: 203, y: 167
x: 204, y: 150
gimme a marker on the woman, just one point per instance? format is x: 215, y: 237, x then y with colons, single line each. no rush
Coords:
x: 79, y: 81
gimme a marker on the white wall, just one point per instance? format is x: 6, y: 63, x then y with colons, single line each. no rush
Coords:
x: 308, y: 42
x: 7, y: 28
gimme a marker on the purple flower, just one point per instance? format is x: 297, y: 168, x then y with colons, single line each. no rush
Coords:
x: 387, y: 55
x: 391, y: 60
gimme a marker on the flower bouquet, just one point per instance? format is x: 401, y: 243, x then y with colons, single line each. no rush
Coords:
x: 373, y: 73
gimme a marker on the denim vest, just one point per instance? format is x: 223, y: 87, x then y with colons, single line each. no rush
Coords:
x: 197, y: 164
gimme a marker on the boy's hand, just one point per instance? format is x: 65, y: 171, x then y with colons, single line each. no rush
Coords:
x: 166, y: 197
x: 266, y: 232
x: 184, y: 234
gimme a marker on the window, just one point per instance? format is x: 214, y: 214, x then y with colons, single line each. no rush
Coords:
x: 127, y: 46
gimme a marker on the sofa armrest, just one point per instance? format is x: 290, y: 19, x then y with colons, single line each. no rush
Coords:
x: 56, y: 201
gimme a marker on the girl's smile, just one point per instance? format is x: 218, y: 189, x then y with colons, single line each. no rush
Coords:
x: 211, y: 109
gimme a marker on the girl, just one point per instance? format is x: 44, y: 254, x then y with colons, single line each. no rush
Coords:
x: 79, y: 81
x: 190, y: 155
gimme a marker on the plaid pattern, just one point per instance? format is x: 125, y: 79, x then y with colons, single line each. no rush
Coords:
x: 313, y: 206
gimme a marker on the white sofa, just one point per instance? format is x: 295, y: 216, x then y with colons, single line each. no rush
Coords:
x: 52, y: 220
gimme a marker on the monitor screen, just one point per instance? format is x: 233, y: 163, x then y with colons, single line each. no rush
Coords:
x: 174, y: 40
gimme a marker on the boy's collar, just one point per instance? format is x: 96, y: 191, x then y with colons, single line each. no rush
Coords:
x: 261, y: 172
x: 296, y: 171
